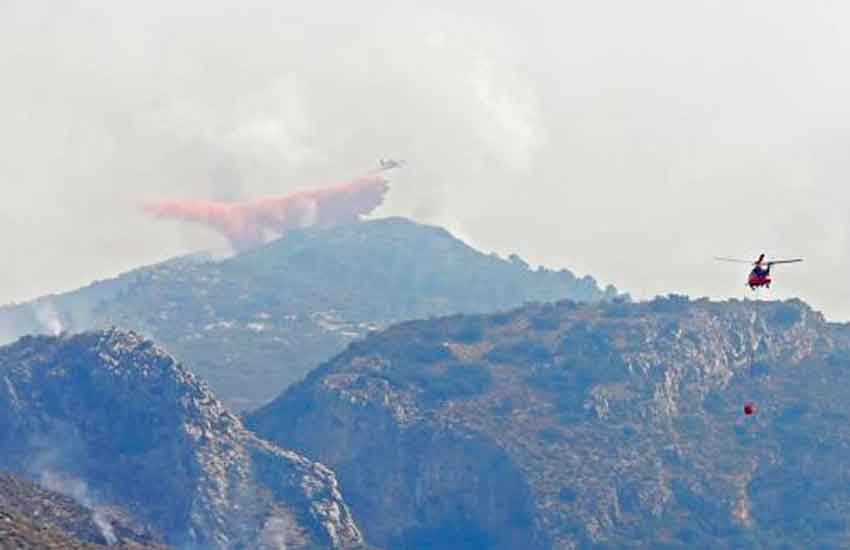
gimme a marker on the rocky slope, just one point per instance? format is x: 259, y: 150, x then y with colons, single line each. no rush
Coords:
x: 32, y: 517
x: 588, y: 426
x: 110, y: 416
x: 252, y: 324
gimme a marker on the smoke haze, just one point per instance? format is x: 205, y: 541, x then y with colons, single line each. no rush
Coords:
x: 630, y: 140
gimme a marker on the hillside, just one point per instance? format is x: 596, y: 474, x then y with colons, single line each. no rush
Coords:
x: 34, y: 518
x: 110, y: 418
x: 253, y: 324
x: 587, y: 426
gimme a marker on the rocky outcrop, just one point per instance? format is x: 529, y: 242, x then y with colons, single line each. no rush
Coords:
x: 115, y: 414
x: 573, y: 426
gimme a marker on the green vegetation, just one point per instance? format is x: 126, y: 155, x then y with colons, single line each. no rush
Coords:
x: 548, y: 318
x: 672, y: 303
x: 785, y: 314
x: 523, y: 351
x: 455, y: 380
x: 468, y: 329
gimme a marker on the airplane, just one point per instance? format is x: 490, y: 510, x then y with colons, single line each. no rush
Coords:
x: 760, y: 274
x: 389, y: 164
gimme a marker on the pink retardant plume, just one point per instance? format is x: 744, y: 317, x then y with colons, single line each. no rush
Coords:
x: 247, y: 224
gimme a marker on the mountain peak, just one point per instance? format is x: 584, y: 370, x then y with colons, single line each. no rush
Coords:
x: 254, y: 323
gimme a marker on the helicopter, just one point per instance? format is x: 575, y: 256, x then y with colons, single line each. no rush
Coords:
x: 759, y: 277
x: 760, y: 274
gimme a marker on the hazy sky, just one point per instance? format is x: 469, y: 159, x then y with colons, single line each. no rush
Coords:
x: 629, y: 140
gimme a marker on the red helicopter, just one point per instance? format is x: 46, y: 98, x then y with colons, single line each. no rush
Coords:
x: 760, y: 274
x: 759, y: 277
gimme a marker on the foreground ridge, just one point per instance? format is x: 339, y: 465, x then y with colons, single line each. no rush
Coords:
x: 115, y: 412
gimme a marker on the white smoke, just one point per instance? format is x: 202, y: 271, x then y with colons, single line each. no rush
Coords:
x: 48, y: 317
x: 79, y: 491
x: 307, y: 212
x: 274, y: 534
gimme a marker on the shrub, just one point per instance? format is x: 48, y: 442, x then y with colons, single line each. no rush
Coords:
x: 468, y: 330
x: 585, y: 339
x: 547, y: 320
x: 672, y: 303
x: 520, y: 352
x: 416, y: 352
x: 570, y: 406
x: 550, y: 435
x: 459, y: 380
x: 503, y: 318
x: 617, y: 309
x: 838, y: 358
x: 785, y: 314
x: 464, y: 380
x: 567, y: 494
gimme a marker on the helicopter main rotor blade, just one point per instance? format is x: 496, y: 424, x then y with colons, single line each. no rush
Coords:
x: 795, y: 260
x: 734, y: 260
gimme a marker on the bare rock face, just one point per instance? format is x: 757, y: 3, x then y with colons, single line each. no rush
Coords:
x: 571, y: 426
x: 114, y: 414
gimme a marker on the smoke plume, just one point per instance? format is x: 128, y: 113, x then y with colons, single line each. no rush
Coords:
x: 248, y: 224
x: 78, y: 490
x: 48, y: 317
x: 274, y: 534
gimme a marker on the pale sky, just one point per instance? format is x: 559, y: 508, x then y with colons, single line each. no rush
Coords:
x: 632, y: 141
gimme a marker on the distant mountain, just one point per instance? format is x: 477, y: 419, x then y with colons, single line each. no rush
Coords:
x: 34, y: 518
x: 110, y: 418
x: 255, y: 323
x: 567, y: 426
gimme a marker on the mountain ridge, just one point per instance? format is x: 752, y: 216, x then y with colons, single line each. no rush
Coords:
x: 585, y: 426
x: 254, y: 323
x: 115, y: 413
